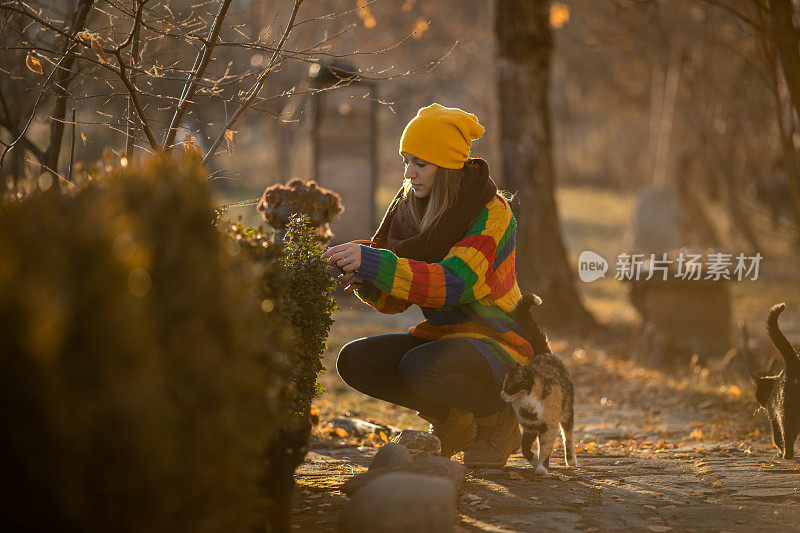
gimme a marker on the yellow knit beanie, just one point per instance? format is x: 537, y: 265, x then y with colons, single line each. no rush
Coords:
x: 441, y: 135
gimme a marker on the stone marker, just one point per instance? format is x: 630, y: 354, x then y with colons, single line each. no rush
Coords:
x: 401, y: 502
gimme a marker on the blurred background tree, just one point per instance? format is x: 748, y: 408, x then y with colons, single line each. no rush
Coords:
x: 525, y: 49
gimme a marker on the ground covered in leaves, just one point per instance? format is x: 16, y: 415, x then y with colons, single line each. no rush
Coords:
x: 659, y: 450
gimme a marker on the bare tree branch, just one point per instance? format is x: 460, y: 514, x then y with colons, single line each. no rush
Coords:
x: 201, y: 62
x: 144, y: 43
x: 257, y: 87
x: 133, y: 38
x: 135, y: 99
x: 63, y: 73
x: 8, y: 123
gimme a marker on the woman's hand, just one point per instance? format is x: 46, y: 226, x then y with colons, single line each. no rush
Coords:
x: 347, y: 256
x: 350, y: 282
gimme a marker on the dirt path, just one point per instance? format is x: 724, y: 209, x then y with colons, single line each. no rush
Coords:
x: 720, y: 490
x: 658, y: 451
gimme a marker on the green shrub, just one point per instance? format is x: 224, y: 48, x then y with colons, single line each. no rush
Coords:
x: 144, y: 357
x: 310, y: 296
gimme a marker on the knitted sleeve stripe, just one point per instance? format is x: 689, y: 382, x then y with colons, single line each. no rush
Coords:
x: 380, y: 300
x: 466, y: 274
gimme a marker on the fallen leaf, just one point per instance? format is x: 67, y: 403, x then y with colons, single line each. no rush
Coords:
x: 340, y: 432
x: 33, y: 63
x: 83, y: 138
x: 98, y: 49
x: 86, y: 36
x: 471, y: 497
x: 483, y: 506
x: 516, y: 475
x: 229, y: 140
x: 189, y: 145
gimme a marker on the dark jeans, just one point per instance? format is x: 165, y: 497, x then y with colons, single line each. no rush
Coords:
x: 427, y: 376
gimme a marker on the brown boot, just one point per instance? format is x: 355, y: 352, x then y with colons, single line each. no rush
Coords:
x: 498, y: 437
x: 456, y: 433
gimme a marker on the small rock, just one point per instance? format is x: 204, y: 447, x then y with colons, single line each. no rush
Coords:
x: 391, y: 454
x: 401, y: 502
x: 419, y: 443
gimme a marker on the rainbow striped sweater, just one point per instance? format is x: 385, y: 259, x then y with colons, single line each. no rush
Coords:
x: 469, y: 294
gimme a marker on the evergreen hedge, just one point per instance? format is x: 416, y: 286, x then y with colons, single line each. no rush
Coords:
x: 146, y: 355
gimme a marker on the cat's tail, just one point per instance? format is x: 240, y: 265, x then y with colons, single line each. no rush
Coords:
x: 534, y: 335
x: 781, y: 342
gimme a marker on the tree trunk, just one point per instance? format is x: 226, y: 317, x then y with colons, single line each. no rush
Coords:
x: 524, y: 49
x: 62, y: 80
x: 787, y: 43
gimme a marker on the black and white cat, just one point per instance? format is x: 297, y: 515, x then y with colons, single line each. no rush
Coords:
x: 779, y: 395
x: 541, y: 393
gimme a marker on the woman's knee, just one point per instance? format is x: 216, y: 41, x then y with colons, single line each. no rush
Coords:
x: 350, y: 362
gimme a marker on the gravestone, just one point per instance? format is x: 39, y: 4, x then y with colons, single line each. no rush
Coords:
x: 680, y: 316
x: 656, y: 224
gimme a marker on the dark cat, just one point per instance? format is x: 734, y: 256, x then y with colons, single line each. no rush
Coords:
x: 541, y: 394
x: 779, y: 395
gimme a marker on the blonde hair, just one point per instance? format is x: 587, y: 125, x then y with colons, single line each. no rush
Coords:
x: 424, y: 213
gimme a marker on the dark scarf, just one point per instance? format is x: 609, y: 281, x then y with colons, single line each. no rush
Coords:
x: 433, y: 244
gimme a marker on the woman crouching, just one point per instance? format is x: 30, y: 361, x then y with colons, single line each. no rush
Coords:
x: 446, y: 244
